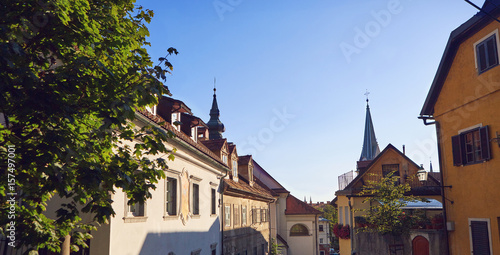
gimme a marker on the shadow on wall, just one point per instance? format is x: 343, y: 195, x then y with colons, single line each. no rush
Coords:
x: 182, y: 242
x: 374, y: 243
x: 245, y: 240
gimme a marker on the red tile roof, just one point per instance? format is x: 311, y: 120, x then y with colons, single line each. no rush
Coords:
x: 244, y: 160
x: 167, y: 126
x: 243, y: 189
x: 295, y: 206
x: 214, y: 144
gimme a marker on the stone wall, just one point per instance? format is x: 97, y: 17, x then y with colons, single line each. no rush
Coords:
x: 374, y: 243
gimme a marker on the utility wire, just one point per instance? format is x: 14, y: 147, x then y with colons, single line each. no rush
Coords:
x: 481, y: 10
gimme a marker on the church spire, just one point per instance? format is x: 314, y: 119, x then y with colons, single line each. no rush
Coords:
x: 215, y: 126
x: 370, y: 145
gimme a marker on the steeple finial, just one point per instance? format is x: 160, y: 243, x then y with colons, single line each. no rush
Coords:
x: 215, y: 126
x: 430, y: 169
x: 370, y: 146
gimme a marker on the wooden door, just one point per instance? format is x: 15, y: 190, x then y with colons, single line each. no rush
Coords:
x: 420, y: 246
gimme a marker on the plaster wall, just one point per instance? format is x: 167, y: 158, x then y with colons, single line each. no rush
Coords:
x: 468, y: 99
x: 300, y: 245
x: 241, y: 238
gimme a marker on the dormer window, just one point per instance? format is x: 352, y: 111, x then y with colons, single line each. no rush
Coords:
x: 235, y: 169
x: 151, y: 110
x: 176, y: 117
x: 194, y: 133
x: 250, y: 174
x: 224, y: 158
x: 486, y: 51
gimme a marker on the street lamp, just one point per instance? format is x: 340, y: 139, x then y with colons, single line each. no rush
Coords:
x: 422, y: 177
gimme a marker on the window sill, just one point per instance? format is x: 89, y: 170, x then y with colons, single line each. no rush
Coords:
x: 213, y: 215
x: 170, y: 217
x: 196, y: 216
x: 135, y: 219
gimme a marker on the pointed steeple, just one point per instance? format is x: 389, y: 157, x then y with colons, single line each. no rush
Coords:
x: 430, y: 169
x: 215, y: 126
x: 370, y: 146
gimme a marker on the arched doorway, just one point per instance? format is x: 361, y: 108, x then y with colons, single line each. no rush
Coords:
x: 420, y: 246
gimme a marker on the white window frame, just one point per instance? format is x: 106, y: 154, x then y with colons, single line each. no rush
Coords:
x: 176, y: 116
x: 192, y: 198
x: 244, y: 215
x: 170, y: 173
x: 227, y: 215
x: 494, y: 32
x: 489, y: 232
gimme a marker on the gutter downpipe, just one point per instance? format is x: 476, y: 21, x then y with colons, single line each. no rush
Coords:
x: 443, y: 198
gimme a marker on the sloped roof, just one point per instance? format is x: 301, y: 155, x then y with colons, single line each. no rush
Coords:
x: 241, y: 188
x: 370, y: 146
x: 167, y: 126
x: 459, y: 35
x: 388, y: 147
x: 295, y: 207
x: 280, y: 188
x: 244, y: 160
x: 231, y: 148
x: 214, y: 144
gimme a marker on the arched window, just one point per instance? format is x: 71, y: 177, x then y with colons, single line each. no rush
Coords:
x: 299, y: 230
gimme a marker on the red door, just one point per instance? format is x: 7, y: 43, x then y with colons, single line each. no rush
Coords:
x: 420, y: 246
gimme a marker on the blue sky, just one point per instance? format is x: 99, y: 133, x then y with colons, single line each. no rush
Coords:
x: 291, y: 77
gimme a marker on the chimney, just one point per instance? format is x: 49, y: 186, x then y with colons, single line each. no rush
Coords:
x: 404, y: 150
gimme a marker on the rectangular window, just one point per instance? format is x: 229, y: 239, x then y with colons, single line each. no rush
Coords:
x: 171, y: 196
x: 136, y: 210
x: 389, y: 168
x: 263, y: 248
x: 235, y: 168
x: 176, y: 120
x: 480, y: 236
x: 321, y: 252
x: 321, y: 240
x: 213, y: 204
x: 236, y: 215
x: 255, y: 215
x: 196, y: 199
x: 341, y: 218
x: 487, y: 54
x: 227, y: 215
x: 255, y: 250
x: 243, y: 215
x: 321, y: 228
x: 347, y: 220
x: 471, y: 147
x: 263, y: 215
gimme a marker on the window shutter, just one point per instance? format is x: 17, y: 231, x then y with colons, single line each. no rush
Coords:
x: 457, y: 150
x: 480, y: 238
x: 485, y: 143
x: 492, y: 51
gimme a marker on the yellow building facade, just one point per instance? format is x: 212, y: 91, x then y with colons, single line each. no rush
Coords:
x: 463, y: 103
x: 350, y: 203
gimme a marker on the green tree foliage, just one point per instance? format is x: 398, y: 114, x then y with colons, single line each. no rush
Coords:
x: 386, y: 198
x: 73, y: 74
x: 274, y: 247
x: 330, y: 213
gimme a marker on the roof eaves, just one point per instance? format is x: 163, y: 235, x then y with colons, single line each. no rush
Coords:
x: 458, y: 35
